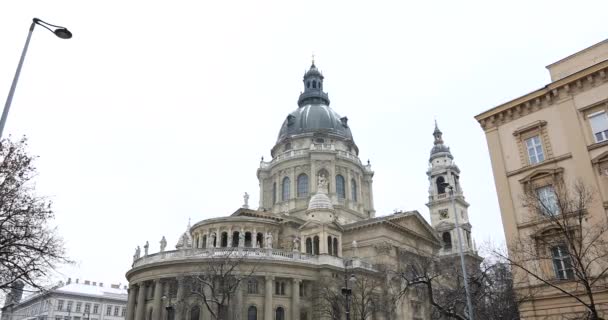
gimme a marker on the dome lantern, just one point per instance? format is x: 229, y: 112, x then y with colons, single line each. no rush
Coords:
x: 313, y: 88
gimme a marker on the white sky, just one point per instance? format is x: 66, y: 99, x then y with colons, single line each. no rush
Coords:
x: 157, y: 111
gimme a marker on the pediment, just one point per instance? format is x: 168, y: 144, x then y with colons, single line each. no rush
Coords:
x: 541, y: 173
x: 600, y: 158
x: 416, y: 223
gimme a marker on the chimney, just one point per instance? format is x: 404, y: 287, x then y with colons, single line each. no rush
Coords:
x: 76, y: 280
x: 125, y: 288
x: 87, y: 282
x: 101, y: 284
x: 94, y: 283
x: 69, y: 280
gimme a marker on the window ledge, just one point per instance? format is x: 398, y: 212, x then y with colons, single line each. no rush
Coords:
x: 597, y: 145
x: 540, y: 164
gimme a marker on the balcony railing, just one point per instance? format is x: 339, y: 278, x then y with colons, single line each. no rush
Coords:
x: 249, y: 253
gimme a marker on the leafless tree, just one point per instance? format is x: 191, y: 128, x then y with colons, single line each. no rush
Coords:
x: 567, y: 248
x: 221, y: 275
x: 366, y: 298
x: 440, y: 283
x: 29, y: 247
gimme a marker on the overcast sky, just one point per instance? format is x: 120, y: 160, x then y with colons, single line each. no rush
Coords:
x: 157, y: 111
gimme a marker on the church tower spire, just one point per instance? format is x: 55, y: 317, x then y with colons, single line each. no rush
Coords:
x: 444, y: 183
x: 313, y: 88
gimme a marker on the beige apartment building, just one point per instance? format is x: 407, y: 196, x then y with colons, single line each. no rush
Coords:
x: 556, y: 133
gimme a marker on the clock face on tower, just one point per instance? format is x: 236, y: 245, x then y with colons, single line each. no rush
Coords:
x: 443, y: 213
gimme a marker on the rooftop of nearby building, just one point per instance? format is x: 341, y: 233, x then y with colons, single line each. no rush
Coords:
x: 578, y: 61
x: 85, y: 289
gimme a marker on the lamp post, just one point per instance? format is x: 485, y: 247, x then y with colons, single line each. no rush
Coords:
x: 346, y: 291
x: 462, y: 264
x: 60, y: 32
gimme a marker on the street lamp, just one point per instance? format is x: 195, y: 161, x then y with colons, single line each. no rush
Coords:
x: 464, y: 269
x: 60, y: 32
x: 346, y: 291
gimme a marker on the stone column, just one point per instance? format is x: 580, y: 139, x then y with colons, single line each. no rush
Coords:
x: 179, y: 305
x: 229, y: 242
x: 268, y: 298
x: 141, y: 302
x: 131, y: 302
x: 254, y: 238
x: 295, y: 299
x: 157, y: 304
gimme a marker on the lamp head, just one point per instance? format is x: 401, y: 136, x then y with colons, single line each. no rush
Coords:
x: 63, y: 33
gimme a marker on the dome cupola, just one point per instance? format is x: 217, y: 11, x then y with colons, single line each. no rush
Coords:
x: 313, y: 88
x: 439, y: 149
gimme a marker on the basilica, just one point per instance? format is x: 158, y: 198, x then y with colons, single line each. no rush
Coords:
x: 315, y: 220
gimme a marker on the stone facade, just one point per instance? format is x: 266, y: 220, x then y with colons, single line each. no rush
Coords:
x: 315, y: 220
x: 548, y: 135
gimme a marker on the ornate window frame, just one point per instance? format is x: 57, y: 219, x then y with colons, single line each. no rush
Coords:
x: 536, y: 128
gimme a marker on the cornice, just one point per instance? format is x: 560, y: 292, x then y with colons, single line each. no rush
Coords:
x: 547, y: 96
x: 539, y: 165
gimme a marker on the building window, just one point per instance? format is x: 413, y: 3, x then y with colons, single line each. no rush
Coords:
x: 329, y: 246
x: 302, y: 185
x: 416, y: 309
x: 274, y: 193
x: 315, y: 245
x: 123, y: 313
x: 447, y: 240
x: 87, y: 308
x: 69, y: 308
x: 336, y: 247
x: 547, y: 200
x: 279, y: 288
x: 252, y: 313
x: 308, y: 245
x: 116, y: 311
x: 535, y: 150
x: 440, y: 185
x: 562, y: 263
x: 301, y: 289
x: 340, y: 187
x: 95, y: 309
x: 58, y: 318
x: 195, y: 313
x: 285, y: 189
x: 109, y: 311
x: 599, y: 126
x: 60, y: 305
x: 252, y: 286
x: 280, y: 314
x: 78, y: 306
x: 353, y: 190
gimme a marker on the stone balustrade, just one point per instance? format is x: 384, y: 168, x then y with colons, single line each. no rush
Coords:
x: 249, y: 253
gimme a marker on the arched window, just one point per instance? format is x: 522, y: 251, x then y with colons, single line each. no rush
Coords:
x: 260, y: 240
x: 235, y: 238
x: 314, y: 84
x: 307, y: 84
x: 195, y: 313
x: 336, y: 247
x: 224, y: 241
x: 440, y: 185
x: 285, y: 187
x: 280, y: 314
x: 170, y: 313
x: 447, y: 240
x: 308, y: 245
x: 315, y: 242
x: 252, y: 313
x: 204, y: 241
x: 353, y: 189
x: 329, y: 246
x: 302, y: 185
x: 340, y: 187
x: 248, y: 242
x: 274, y: 193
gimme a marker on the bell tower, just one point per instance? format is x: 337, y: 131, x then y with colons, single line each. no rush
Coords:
x: 446, y: 198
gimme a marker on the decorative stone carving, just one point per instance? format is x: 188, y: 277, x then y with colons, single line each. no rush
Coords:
x: 296, y: 244
x: 443, y: 213
x: 269, y: 240
x: 355, y: 249
x: 322, y: 184
x: 163, y: 244
x: 383, y: 248
x: 146, y: 246
x: 211, y: 240
x: 137, y: 253
x: 246, y: 200
x: 241, y: 239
